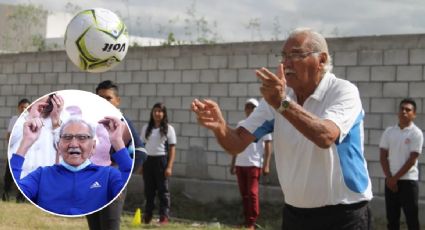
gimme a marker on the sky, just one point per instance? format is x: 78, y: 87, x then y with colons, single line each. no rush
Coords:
x: 253, y: 20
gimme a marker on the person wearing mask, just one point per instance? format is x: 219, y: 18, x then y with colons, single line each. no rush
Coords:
x: 75, y: 186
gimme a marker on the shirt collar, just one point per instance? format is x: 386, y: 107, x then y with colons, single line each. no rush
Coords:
x: 407, y: 127
x: 323, y: 86
x: 75, y: 168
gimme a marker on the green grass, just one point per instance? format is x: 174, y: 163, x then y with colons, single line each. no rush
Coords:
x: 227, y: 214
x: 185, y: 214
x: 26, y: 216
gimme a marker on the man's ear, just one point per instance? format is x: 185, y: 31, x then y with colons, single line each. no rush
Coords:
x: 323, y: 58
x: 94, y: 148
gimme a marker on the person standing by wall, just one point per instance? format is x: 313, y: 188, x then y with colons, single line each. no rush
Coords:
x: 400, y: 147
x: 160, y: 140
x: 8, y: 180
x: 109, y: 218
x: 317, y: 124
x: 248, y: 166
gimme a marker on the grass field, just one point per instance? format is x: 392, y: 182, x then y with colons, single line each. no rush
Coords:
x: 185, y: 214
x: 26, y: 216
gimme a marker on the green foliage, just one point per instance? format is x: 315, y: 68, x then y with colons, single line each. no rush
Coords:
x: 254, y: 26
x: 197, y: 28
x: 277, y: 31
x: 26, y: 28
x: 39, y: 42
x: 72, y: 8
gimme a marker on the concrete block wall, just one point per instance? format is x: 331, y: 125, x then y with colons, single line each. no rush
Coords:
x: 385, y: 69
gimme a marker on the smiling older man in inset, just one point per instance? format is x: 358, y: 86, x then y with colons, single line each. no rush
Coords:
x: 75, y: 186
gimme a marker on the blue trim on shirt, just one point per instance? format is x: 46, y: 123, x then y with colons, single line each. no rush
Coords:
x: 266, y: 128
x: 352, y: 160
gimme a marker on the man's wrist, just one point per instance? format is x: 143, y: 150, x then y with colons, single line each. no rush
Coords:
x: 56, y: 123
x: 284, y: 104
x: 118, y: 144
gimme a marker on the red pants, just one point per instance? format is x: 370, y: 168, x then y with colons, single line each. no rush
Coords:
x: 248, y: 178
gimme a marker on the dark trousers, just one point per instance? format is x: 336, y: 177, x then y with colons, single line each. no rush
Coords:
x: 405, y: 198
x: 332, y: 217
x: 109, y: 217
x: 156, y: 182
x: 7, y: 179
x: 7, y: 186
x: 248, y: 178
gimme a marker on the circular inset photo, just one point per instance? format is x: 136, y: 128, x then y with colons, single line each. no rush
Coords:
x: 70, y: 153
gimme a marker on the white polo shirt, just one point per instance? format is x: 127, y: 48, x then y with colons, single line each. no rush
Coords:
x: 309, y: 175
x: 253, y: 153
x: 156, y: 145
x: 400, y: 143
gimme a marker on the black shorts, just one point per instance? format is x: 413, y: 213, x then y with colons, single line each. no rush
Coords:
x: 355, y: 216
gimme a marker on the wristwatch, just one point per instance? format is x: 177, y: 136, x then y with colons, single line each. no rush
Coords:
x: 284, y: 104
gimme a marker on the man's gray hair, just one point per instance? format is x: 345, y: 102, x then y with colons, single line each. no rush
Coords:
x: 92, y: 129
x: 316, y: 42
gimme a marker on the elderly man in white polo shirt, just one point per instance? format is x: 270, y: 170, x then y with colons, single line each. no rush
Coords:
x: 317, y: 124
x: 248, y: 166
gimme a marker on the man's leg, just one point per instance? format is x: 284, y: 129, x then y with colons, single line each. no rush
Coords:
x: 409, y: 195
x: 110, y: 217
x: 243, y: 189
x: 8, y: 181
x: 149, y: 187
x: 253, y: 200
x: 163, y: 192
x: 392, y: 206
x: 93, y: 220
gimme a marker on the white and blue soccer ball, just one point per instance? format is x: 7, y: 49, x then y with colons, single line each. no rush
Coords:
x: 96, y: 40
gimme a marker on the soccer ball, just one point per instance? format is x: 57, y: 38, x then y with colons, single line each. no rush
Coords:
x: 96, y: 40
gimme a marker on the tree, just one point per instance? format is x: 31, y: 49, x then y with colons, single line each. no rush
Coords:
x: 26, y: 26
x: 72, y: 8
x: 277, y: 31
x: 197, y: 27
x: 254, y: 25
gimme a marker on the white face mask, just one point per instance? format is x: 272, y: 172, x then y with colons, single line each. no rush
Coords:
x: 75, y: 168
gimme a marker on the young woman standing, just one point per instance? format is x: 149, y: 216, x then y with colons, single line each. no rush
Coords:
x: 160, y: 140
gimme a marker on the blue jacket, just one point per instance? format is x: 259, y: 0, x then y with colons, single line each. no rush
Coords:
x: 140, y: 152
x: 61, y: 191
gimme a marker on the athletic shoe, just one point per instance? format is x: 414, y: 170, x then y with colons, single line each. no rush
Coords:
x: 163, y: 220
x: 147, y: 218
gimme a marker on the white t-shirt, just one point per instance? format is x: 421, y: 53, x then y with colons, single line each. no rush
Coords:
x: 253, y: 153
x: 12, y: 122
x: 43, y: 151
x: 311, y: 176
x: 400, y: 143
x: 156, y: 145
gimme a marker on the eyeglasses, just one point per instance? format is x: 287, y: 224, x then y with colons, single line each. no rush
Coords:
x: 79, y: 137
x: 295, y: 56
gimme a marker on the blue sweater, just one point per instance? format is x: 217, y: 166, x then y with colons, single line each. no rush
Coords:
x: 56, y: 189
